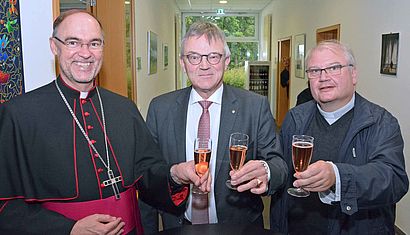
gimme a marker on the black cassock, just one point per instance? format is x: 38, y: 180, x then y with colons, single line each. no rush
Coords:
x: 44, y: 157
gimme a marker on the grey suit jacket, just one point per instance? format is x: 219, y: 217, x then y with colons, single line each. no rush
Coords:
x: 242, y: 111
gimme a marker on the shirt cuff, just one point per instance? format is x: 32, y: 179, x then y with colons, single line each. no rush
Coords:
x: 329, y: 196
x: 267, y: 169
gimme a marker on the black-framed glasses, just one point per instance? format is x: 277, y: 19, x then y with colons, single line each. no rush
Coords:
x: 74, y: 44
x: 331, y: 70
x: 196, y: 58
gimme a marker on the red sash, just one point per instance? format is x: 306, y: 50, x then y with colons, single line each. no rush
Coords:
x: 126, y: 208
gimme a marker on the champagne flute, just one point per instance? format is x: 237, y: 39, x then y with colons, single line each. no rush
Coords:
x: 302, y: 148
x: 238, y: 145
x: 202, y: 156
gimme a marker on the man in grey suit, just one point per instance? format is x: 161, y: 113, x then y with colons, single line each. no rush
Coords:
x: 173, y: 120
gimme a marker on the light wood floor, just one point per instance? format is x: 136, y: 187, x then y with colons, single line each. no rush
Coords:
x: 266, y: 203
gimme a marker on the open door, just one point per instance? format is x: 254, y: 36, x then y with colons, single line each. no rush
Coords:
x: 283, y: 74
x: 328, y: 33
x: 116, y: 16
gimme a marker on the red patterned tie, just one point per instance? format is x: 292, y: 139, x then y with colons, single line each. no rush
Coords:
x: 203, y: 126
x: 200, y: 201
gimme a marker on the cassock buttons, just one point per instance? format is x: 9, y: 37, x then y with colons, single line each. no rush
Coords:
x: 100, y: 170
x: 89, y: 127
x: 102, y: 185
x: 95, y: 155
x: 93, y: 141
x: 83, y: 101
x: 86, y: 114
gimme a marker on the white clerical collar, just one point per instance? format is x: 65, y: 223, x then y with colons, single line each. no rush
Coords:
x: 216, y: 97
x: 332, y: 117
x: 83, y: 94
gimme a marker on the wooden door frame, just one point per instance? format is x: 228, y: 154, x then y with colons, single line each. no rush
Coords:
x: 321, y: 32
x: 111, y: 16
x: 133, y: 55
x: 278, y: 71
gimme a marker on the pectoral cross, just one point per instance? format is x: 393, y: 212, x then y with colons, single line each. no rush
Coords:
x: 113, y: 180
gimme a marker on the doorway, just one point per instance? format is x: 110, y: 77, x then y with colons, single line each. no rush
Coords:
x: 328, y: 33
x: 283, y: 81
x: 117, y: 18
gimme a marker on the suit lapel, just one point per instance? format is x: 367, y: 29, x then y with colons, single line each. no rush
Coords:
x: 229, y: 112
x: 179, y: 117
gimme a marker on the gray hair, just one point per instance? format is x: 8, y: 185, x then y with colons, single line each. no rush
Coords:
x: 332, y: 45
x: 211, y: 32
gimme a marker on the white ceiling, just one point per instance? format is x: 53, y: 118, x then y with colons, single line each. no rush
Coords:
x: 213, y: 5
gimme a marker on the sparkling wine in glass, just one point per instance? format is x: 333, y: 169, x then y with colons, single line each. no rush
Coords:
x: 238, y: 145
x: 302, y: 148
x: 202, y: 156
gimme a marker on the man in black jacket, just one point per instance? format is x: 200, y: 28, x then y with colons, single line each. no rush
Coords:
x: 357, y: 172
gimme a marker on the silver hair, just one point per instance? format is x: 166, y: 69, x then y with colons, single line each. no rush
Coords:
x: 211, y: 32
x: 332, y: 45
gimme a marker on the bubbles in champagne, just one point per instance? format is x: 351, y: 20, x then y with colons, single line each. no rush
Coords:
x: 301, y: 155
x: 237, y: 156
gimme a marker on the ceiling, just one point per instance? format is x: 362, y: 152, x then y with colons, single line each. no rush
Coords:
x: 213, y: 5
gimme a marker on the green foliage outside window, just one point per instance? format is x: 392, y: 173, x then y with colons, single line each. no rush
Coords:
x: 234, y: 27
x: 241, y: 52
x: 234, y: 77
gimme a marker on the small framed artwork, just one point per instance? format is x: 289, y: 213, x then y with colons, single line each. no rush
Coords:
x: 152, y: 52
x: 165, y: 55
x: 300, y: 55
x: 390, y: 53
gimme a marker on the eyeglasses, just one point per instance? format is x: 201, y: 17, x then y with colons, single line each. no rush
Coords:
x: 74, y: 44
x: 212, y: 58
x: 331, y: 70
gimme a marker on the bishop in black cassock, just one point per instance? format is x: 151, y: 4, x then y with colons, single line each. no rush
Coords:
x: 45, y: 158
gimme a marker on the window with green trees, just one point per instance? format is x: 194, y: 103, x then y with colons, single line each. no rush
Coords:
x: 241, y: 32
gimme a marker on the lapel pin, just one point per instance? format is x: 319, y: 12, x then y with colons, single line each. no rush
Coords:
x: 233, y: 111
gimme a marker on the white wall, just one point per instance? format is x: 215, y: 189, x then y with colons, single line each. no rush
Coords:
x: 36, y: 28
x: 362, y: 24
x: 156, y: 16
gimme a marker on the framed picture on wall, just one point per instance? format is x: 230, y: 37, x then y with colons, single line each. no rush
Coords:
x: 152, y: 52
x: 300, y: 55
x: 390, y: 53
x: 165, y: 55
